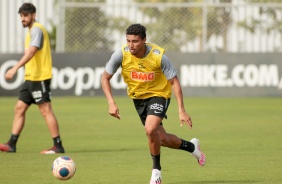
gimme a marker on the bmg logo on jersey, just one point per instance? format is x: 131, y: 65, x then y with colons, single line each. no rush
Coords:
x: 142, y: 76
x: 159, y: 108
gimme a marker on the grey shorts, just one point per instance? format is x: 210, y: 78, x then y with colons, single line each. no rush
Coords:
x: 151, y: 106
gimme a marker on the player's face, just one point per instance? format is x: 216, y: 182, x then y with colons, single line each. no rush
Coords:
x: 27, y: 19
x: 136, y: 45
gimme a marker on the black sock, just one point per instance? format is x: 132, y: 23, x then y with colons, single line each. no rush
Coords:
x: 57, y: 141
x: 187, y: 146
x: 156, y: 161
x: 13, y: 140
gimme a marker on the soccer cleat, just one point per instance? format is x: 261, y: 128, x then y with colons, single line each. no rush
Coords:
x: 7, y: 148
x: 156, y: 177
x: 53, y: 150
x: 197, y: 153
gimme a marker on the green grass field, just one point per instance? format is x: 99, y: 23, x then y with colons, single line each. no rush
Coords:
x: 241, y: 137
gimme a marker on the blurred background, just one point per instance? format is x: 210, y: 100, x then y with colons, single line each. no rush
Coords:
x: 236, y: 26
x: 212, y: 39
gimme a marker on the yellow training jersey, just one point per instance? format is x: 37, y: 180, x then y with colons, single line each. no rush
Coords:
x: 39, y: 67
x: 144, y: 76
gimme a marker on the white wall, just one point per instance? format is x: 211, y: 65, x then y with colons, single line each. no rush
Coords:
x: 12, y: 33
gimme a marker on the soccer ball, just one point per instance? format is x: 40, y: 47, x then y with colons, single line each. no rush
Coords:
x: 63, y: 168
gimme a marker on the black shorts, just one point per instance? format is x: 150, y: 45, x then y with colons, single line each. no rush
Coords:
x: 36, y: 92
x: 151, y: 106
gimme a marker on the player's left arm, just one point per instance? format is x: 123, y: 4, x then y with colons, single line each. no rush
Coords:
x: 171, y: 75
x: 183, y: 116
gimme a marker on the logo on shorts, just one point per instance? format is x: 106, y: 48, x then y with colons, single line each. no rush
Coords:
x: 37, y: 100
x: 157, y: 112
x: 37, y: 95
x: 159, y: 108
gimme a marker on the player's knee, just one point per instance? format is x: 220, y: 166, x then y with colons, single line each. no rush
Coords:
x: 45, y: 112
x: 151, y: 133
x: 19, y: 109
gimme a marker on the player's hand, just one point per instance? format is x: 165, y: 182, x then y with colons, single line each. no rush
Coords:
x: 185, y: 118
x: 10, y: 73
x: 114, y: 111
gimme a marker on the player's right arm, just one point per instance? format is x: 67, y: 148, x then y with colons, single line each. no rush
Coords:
x: 111, y: 67
x: 36, y: 43
x: 28, y: 54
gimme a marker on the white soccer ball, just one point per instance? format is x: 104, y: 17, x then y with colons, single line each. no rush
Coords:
x: 63, y: 168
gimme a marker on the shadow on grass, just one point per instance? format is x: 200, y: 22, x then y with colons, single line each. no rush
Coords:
x: 101, y: 150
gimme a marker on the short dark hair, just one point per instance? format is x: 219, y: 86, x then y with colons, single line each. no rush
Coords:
x: 136, y: 29
x: 27, y: 8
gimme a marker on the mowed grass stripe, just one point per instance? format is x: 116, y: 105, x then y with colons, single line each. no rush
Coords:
x: 241, y: 138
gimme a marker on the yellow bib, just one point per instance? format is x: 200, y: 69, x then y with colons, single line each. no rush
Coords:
x: 144, y: 76
x: 39, y: 66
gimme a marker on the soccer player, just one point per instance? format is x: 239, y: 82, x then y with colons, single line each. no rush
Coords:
x: 150, y: 75
x: 37, y: 61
